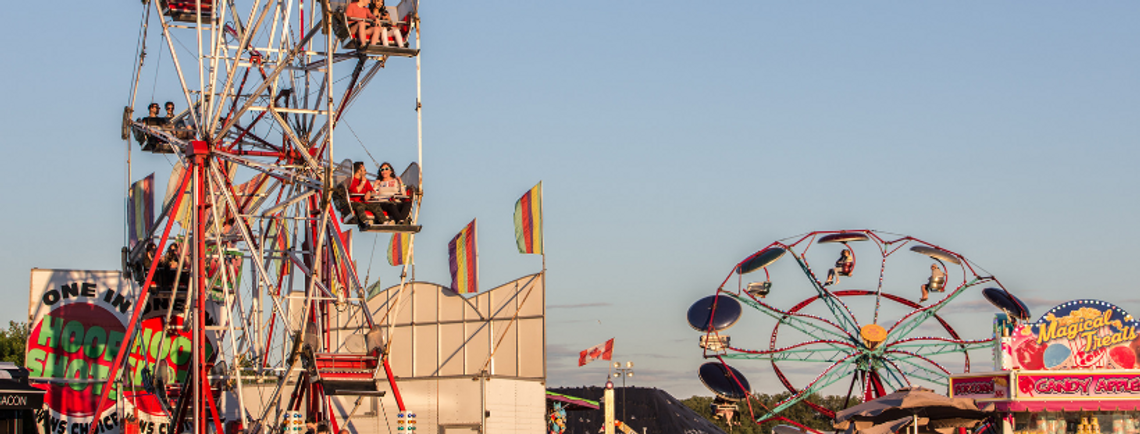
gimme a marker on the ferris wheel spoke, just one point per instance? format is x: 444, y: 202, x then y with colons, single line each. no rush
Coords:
x: 292, y: 176
x: 807, y: 324
x: 829, y: 355
x: 246, y: 236
x: 838, y: 371
x: 177, y: 66
x: 319, y: 136
x: 919, y: 370
x: 907, y: 324
x: 268, y: 81
x: 838, y: 308
x: 895, y: 377
x: 934, y: 346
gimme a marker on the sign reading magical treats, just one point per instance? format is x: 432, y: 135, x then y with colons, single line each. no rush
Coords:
x: 1080, y: 334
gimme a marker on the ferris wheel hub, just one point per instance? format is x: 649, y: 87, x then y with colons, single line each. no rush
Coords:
x: 873, y: 335
x: 197, y: 148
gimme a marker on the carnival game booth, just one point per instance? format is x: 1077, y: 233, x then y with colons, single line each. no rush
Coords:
x: 1073, y: 371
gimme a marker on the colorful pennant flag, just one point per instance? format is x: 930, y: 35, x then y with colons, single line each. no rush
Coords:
x: 528, y: 221
x: 398, y: 248
x: 601, y: 351
x: 374, y: 290
x: 140, y: 216
x: 462, y: 255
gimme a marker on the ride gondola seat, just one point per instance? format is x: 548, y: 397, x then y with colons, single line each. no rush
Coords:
x: 341, y: 202
x: 846, y: 267
x: 346, y: 374
x: 936, y: 284
x: 152, y: 143
x: 185, y: 10
x: 403, y: 12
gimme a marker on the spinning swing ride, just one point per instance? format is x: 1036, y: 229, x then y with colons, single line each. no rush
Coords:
x: 253, y: 188
x: 873, y: 338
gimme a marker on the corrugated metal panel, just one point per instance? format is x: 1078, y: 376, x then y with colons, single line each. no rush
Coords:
x: 516, y: 406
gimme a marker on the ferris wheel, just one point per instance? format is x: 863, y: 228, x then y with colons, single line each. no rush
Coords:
x: 251, y: 250
x: 851, y: 327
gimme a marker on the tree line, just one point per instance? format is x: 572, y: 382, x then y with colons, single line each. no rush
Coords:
x: 13, y: 342
x: 743, y: 423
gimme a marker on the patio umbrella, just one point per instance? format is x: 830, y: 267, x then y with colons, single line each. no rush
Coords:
x: 914, y: 407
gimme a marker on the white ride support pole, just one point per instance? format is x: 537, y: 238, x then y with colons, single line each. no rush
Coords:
x: 609, y: 407
x: 419, y: 104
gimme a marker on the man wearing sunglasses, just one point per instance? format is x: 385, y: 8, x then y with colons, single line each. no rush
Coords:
x: 359, y: 195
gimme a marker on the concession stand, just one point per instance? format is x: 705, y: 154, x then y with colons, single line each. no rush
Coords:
x: 1073, y: 371
x: 18, y: 400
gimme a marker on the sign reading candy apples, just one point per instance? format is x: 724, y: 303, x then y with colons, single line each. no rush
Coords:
x: 1080, y: 334
x: 1066, y: 385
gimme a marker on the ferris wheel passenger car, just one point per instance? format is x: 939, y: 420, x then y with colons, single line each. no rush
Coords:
x: 342, y: 198
x: 186, y: 10
x: 393, y: 41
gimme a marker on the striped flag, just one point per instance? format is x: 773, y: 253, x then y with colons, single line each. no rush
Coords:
x: 528, y: 221
x: 141, y: 214
x: 462, y: 255
x: 398, y: 248
x: 601, y: 351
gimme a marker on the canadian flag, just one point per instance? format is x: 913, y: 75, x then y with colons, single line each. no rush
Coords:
x: 601, y: 351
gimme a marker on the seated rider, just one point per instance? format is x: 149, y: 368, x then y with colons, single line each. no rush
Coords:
x: 153, y: 119
x: 362, y: 23
x: 936, y: 283
x: 842, y: 267
x: 169, y: 111
x: 386, y: 188
x: 360, y: 195
x: 170, y: 115
x: 386, y: 24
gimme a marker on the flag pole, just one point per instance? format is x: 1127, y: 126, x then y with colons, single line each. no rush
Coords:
x: 541, y: 228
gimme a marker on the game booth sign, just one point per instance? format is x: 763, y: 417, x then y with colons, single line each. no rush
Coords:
x: 78, y: 321
x: 1072, y: 371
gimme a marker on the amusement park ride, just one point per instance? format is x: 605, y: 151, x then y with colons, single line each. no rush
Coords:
x: 843, y: 334
x: 265, y: 83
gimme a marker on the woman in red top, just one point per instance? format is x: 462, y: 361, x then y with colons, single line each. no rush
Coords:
x: 362, y: 22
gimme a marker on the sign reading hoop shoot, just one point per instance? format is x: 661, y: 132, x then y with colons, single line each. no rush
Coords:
x: 1080, y: 334
x: 77, y: 326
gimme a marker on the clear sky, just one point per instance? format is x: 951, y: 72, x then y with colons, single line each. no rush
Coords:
x: 672, y: 139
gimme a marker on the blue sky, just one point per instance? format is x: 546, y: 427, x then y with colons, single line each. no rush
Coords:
x: 672, y: 139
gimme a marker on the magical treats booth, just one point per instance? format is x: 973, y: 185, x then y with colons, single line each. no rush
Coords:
x: 1072, y: 371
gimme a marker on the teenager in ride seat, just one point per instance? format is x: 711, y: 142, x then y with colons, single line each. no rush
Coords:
x: 387, y: 190
x: 359, y: 194
x: 362, y: 23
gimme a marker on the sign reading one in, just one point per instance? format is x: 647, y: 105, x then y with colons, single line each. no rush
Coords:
x: 77, y: 327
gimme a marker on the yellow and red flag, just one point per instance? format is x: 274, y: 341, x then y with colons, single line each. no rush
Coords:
x: 462, y: 255
x: 528, y: 221
x: 398, y: 248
